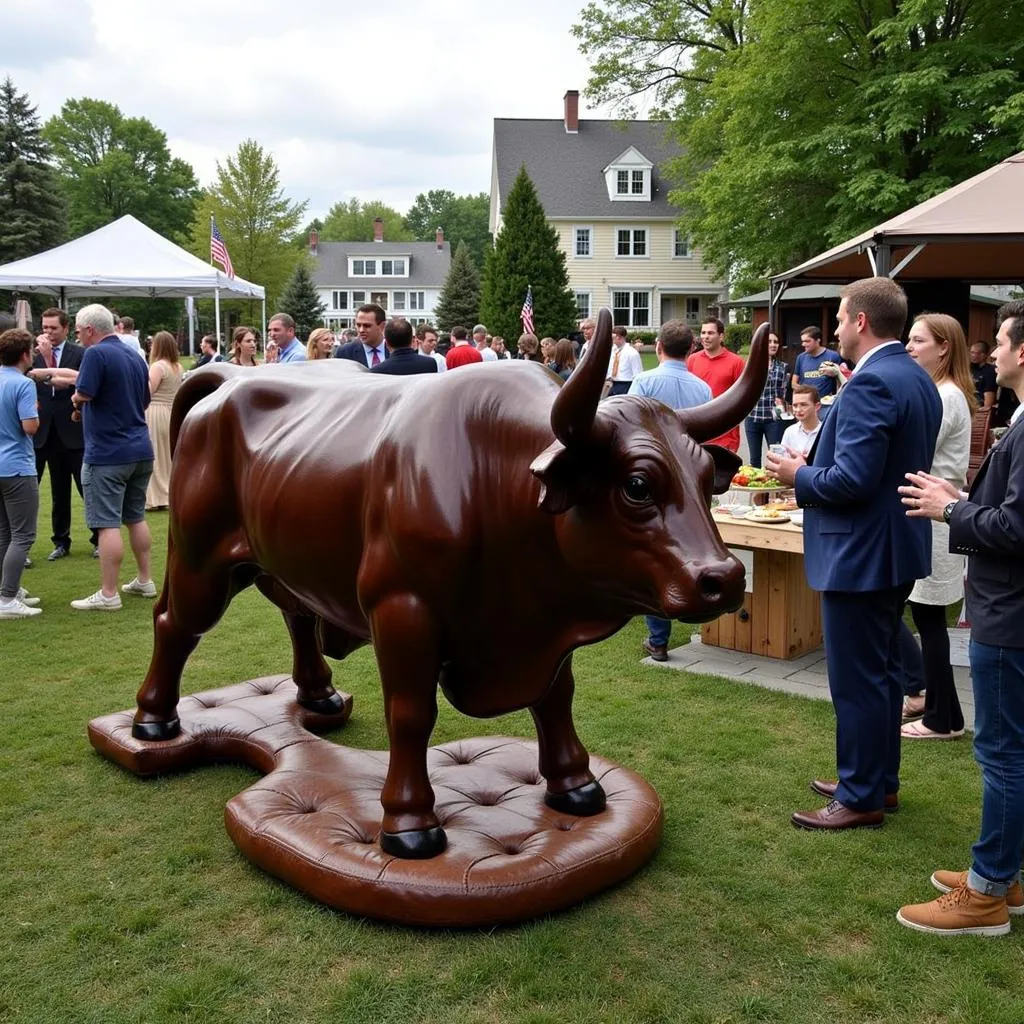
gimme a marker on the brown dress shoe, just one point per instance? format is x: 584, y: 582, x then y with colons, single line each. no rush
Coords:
x: 657, y: 652
x: 827, y: 788
x: 835, y: 816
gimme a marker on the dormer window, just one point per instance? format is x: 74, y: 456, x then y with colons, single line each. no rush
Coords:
x: 629, y: 177
x: 396, y: 267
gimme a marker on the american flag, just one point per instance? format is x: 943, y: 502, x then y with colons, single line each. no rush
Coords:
x: 219, y: 251
x: 527, y: 313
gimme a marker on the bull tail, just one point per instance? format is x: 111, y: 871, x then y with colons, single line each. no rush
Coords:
x: 200, y: 383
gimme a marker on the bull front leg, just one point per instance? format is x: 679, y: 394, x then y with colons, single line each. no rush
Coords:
x: 564, y: 761
x: 407, y: 657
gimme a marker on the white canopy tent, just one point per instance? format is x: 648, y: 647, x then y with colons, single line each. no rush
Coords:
x: 125, y: 258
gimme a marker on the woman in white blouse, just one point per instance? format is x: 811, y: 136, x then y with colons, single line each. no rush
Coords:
x: 937, y: 343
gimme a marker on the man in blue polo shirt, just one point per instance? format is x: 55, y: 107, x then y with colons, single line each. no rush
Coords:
x: 282, y: 334
x: 111, y: 393
x: 672, y: 383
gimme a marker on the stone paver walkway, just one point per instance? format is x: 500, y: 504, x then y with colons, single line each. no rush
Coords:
x: 806, y: 676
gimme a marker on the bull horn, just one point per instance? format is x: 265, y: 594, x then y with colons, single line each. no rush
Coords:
x: 572, y: 415
x: 721, y: 414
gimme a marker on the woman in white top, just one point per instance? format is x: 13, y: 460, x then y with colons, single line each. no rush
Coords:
x: 937, y: 343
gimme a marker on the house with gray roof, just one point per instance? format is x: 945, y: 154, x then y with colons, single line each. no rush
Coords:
x: 405, y: 278
x: 603, y: 189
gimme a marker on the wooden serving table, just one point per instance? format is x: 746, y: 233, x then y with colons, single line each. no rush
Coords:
x: 781, y: 616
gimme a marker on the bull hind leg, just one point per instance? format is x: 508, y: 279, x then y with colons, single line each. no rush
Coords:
x: 311, y: 674
x: 190, y: 604
x: 407, y: 656
x: 564, y: 761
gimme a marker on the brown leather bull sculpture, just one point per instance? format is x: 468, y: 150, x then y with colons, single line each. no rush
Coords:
x: 451, y: 499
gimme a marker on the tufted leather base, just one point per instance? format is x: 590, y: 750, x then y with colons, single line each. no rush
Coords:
x: 314, y: 819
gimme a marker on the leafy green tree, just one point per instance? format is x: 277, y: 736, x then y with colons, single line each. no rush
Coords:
x: 301, y: 301
x: 31, y: 207
x: 353, y: 222
x: 462, y: 218
x: 256, y: 219
x: 526, y: 253
x: 459, y: 301
x: 803, y: 122
x: 111, y: 165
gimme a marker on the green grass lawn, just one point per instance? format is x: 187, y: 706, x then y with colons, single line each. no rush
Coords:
x: 124, y: 900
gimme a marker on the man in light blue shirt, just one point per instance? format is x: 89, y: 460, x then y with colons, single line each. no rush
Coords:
x: 672, y: 383
x: 282, y: 333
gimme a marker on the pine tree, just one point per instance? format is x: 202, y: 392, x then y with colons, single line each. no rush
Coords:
x: 526, y: 254
x: 459, y: 301
x: 301, y: 301
x: 31, y: 208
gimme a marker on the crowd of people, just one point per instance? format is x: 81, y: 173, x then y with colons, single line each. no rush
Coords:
x: 889, y: 523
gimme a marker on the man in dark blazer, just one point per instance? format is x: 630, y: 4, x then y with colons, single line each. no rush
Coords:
x: 987, y: 525
x: 404, y: 358
x: 58, y: 442
x: 860, y: 550
x: 370, y: 349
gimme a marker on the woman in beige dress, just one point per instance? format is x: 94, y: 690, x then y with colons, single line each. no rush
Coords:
x: 164, y: 381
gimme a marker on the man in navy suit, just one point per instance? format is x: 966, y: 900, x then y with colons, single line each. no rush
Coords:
x: 59, y: 442
x: 860, y: 550
x: 987, y: 525
x: 370, y: 349
x: 404, y: 358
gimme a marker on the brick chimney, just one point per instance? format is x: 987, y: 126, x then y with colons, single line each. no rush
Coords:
x: 314, y: 241
x: 572, y: 111
x: 378, y: 229
x: 440, y: 239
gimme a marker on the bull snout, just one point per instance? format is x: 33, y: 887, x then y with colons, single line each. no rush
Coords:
x: 715, y: 588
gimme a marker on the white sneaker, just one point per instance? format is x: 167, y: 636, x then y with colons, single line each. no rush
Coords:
x: 98, y: 602
x: 136, y: 586
x: 24, y: 598
x: 16, y: 609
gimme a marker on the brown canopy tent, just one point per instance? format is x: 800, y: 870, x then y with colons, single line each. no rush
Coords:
x: 972, y: 232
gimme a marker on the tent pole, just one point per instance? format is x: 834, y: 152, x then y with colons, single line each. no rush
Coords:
x: 190, y: 310
x: 264, y: 322
x: 63, y: 303
x: 216, y: 314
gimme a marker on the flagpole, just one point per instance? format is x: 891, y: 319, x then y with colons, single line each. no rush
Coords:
x: 216, y: 313
x: 211, y: 240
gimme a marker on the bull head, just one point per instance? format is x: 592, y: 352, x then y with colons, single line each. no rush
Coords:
x: 561, y: 468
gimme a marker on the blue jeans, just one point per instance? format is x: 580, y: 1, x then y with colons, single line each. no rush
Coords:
x: 769, y: 431
x: 998, y: 677
x: 659, y: 630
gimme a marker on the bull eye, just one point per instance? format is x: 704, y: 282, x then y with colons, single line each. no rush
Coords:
x: 638, y: 490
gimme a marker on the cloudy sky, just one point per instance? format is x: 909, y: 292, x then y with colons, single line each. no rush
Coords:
x: 352, y: 99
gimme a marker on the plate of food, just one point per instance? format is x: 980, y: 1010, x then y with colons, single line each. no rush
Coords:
x: 764, y: 514
x: 750, y: 478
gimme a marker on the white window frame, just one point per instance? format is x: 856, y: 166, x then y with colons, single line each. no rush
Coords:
x: 397, y: 302
x: 365, y: 262
x: 622, y: 181
x: 675, y: 245
x: 638, y: 176
x: 589, y: 228
x: 633, y: 293
x: 580, y: 314
x: 361, y: 301
x: 343, y: 295
x: 416, y: 300
x: 632, y: 254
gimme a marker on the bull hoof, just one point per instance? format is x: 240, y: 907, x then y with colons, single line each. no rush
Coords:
x: 420, y: 844
x: 332, y: 705
x: 156, y: 732
x: 583, y: 801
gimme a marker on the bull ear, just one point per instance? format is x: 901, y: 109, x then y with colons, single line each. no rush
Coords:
x: 560, y: 480
x: 726, y: 464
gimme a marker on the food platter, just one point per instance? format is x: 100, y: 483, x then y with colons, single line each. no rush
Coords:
x: 778, y: 486
x: 769, y: 517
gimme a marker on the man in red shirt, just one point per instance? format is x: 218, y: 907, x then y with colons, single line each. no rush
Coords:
x: 720, y: 369
x: 461, y: 353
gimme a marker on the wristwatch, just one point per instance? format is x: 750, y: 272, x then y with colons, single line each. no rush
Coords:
x: 947, y: 512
